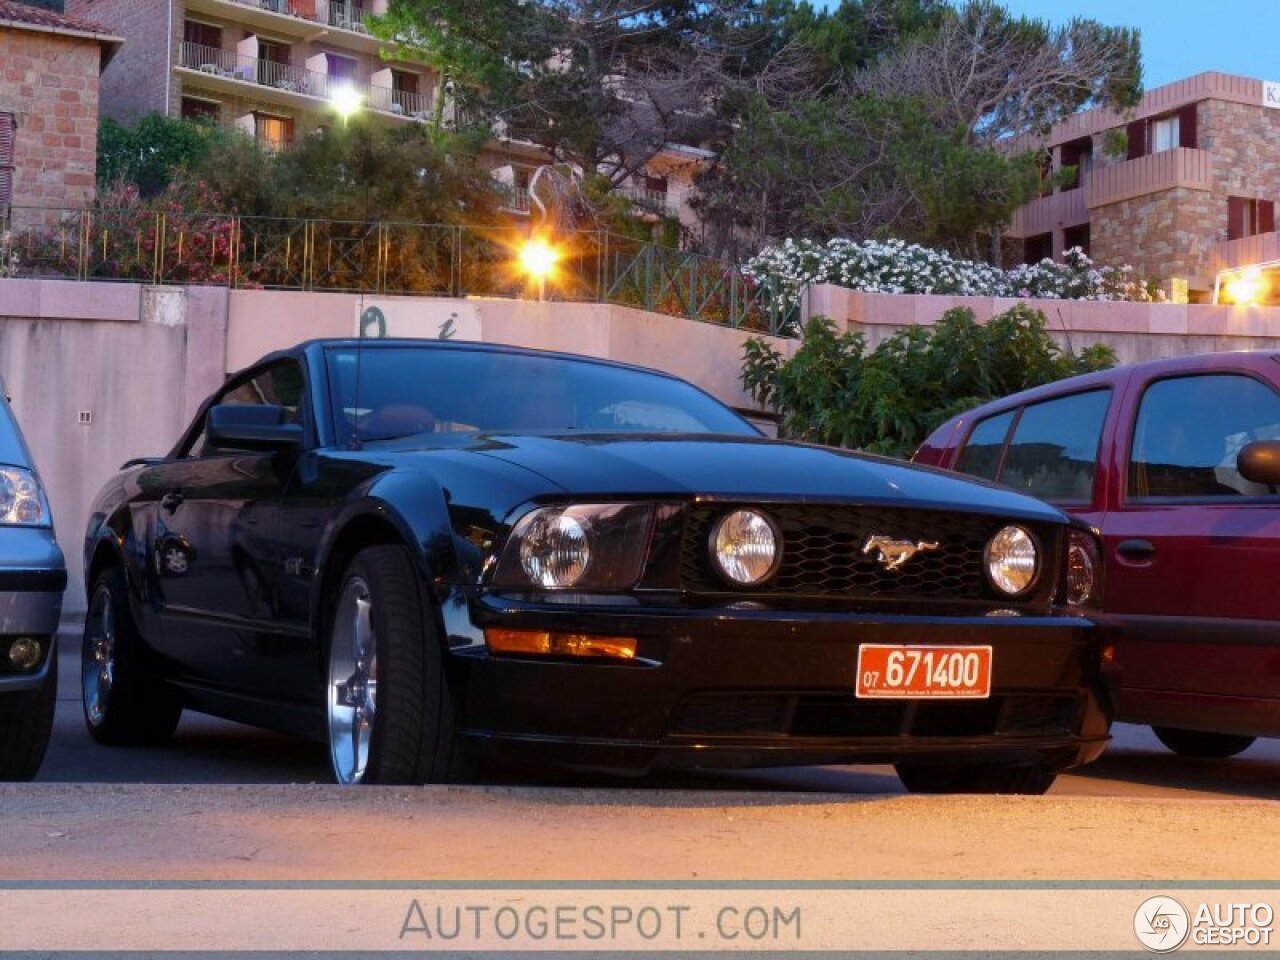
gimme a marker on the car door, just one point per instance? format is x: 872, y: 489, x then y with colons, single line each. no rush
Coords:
x: 1192, y: 549
x: 215, y: 543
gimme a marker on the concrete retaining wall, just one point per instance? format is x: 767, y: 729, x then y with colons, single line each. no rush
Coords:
x: 1135, y: 331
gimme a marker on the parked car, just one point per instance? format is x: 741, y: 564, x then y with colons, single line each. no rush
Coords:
x: 1176, y: 463
x: 429, y: 552
x: 32, y: 579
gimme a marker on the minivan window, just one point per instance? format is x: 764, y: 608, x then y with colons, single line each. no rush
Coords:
x: 981, y: 455
x: 1190, y: 430
x: 1054, y: 451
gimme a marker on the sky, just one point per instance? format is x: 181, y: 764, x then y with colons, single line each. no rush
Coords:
x: 1181, y: 37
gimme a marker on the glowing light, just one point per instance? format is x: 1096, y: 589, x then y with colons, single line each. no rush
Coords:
x: 346, y: 100
x: 1247, y: 288
x: 538, y: 258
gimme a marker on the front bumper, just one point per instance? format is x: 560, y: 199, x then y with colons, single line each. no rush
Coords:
x: 774, y: 687
x: 33, y: 577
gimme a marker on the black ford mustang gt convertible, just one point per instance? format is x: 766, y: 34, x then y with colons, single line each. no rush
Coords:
x: 430, y: 553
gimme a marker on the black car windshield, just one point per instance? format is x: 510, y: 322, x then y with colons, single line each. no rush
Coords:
x: 384, y: 392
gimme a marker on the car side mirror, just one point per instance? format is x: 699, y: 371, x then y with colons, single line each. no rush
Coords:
x: 1260, y: 462
x: 251, y: 427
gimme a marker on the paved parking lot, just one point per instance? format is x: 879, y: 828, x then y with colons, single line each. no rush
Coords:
x: 256, y: 805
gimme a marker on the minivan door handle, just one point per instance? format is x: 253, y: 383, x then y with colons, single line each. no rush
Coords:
x: 172, y: 501
x: 1136, y: 549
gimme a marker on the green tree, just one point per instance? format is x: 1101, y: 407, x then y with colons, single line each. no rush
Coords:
x: 832, y: 391
x: 149, y: 154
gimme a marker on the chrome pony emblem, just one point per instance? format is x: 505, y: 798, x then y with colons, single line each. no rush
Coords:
x: 894, y: 553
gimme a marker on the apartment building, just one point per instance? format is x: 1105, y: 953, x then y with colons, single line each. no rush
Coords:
x: 273, y: 68
x: 49, y: 70
x: 1181, y: 187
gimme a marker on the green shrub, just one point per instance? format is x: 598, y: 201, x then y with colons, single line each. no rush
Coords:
x: 833, y: 391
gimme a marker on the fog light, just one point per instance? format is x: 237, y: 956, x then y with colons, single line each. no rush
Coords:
x: 25, y: 653
x: 560, y: 644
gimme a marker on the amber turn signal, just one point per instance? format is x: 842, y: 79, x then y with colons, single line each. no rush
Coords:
x: 560, y: 644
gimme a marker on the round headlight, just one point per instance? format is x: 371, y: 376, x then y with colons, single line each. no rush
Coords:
x: 555, y: 552
x: 1012, y: 561
x: 1082, y: 567
x: 745, y: 547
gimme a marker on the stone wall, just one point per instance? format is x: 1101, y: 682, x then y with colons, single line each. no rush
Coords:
x: 1245, y: 142
x: 50, y: 82
x: 136, y: 80
x: 1165, y: 234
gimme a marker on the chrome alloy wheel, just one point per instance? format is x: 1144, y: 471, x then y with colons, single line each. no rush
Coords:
x: 353, y: 683
x: 98, y: 656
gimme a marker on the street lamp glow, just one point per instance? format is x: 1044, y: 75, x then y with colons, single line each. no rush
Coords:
x: 1246, y: 288
x: 346, y: 100
x: 538, y: 258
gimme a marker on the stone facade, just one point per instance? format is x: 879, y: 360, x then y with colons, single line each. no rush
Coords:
x: 1164, y: 212
x: 1166, y: 234
x: 49, y: 82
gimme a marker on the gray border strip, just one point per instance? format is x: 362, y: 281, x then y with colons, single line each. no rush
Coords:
x: 700, y: 884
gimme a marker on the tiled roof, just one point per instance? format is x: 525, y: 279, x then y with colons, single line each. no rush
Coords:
x: 40, y: 18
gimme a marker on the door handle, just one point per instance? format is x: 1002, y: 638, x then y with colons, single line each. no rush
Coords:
x: 1136, y: 549
x: 172, y: 501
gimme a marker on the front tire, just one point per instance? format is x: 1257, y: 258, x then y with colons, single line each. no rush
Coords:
x: 124, y: 704
x: 1208, y: 746
x: 391, y: 714
x: 1032, y: 780
x: 26, y: 724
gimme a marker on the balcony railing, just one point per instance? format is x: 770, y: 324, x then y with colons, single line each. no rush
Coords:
x: 654, y: 201
x: 376, y: 257
x: 344, y: 16
x: 231, y: 65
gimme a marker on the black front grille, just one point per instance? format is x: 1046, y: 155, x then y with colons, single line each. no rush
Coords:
x: 822, y: 553
x: 841, y: 716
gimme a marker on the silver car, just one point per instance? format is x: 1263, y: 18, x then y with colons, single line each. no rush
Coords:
x: 32, y: 578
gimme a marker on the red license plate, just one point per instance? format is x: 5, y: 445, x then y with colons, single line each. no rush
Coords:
x: 924, y: 672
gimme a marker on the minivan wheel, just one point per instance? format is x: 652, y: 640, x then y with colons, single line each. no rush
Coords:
x: 391, y: 714
x: 1032, y: 779
x: 1194, y: 743
x: 124, y: 704
x: 25, y: 725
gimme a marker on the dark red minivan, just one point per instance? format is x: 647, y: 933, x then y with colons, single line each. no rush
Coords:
x: 1176, y: 463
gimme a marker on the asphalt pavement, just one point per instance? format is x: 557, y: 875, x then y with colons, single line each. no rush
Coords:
x: 210, y: 751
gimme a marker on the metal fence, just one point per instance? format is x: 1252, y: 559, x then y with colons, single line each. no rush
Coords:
x: 381, y: 257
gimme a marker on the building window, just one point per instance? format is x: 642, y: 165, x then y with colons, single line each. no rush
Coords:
x: 1078, y: 154
x: 1037, y: 248
x: 1164, y: 134
x: 341, y: 68
x: 1076, y: 237
x: 272, y: 133
x: 274, y: 65
x: 8, y: 133
x: 1178, y: 129
x: 207, y: 111
x: 1247, y: 217
x: 404, y: 93
x: 202, y: 34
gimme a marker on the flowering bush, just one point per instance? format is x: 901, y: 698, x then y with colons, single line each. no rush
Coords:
x: 895, y: 266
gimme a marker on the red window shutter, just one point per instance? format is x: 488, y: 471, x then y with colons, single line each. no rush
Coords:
x: 1137, y: 133
x: 1266, y: 216
x: 1188, y: 136
x: 7, y: 134
x: 1236, y: 211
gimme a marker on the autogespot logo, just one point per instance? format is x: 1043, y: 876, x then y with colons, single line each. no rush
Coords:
x: 1161, y: 924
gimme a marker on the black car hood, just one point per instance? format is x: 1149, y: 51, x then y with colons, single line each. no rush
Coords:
x: 743, y: 468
